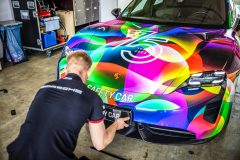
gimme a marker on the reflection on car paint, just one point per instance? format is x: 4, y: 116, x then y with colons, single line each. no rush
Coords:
x: 154, y: 61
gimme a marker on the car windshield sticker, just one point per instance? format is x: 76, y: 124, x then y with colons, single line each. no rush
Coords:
x: 158, y: 1
x: 126, y: 13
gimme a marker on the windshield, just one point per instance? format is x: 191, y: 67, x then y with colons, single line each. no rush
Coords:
x: 193, y: 12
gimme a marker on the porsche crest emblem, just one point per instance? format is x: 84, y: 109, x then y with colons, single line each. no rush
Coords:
x: 117, y: 76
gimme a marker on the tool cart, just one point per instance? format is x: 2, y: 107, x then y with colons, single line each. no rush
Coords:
x: 39, y: 25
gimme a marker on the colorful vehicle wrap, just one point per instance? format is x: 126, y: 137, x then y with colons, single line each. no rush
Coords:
x: 141, y: 67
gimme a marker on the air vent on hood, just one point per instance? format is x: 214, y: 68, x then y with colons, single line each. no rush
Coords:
x: 202, y: 36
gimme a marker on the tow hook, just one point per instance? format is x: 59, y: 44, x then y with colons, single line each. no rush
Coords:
x: 140, y: 126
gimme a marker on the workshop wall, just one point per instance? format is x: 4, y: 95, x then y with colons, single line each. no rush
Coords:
x: 123, y: 3
x: 106, y: 6
x: 5, y: 15
x: 5, y: 10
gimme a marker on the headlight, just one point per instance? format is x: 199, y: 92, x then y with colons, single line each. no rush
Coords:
x: 67, y: 50
x: 205, y: 79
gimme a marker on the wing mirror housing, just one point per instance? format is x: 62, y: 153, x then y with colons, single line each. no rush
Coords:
x: 116, y: 12
x: 236, y: 18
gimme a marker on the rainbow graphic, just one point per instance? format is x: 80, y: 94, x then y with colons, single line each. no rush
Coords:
x: 152, y: 61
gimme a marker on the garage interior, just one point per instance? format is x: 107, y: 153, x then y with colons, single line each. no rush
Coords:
x: 23, y: 81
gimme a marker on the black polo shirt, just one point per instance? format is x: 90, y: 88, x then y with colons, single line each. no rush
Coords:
x: 55, y: 119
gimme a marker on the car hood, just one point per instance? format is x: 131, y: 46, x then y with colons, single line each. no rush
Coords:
x: 142, y: 58
x: 140, y: 66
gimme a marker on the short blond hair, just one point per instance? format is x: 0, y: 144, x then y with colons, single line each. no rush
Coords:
x: 81, y: 59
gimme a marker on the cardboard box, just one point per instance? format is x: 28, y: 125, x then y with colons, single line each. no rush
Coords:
x: 61, y: 32
x: 67, y: 20
x: 43, y: 28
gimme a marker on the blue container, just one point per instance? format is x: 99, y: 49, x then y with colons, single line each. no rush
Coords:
x: 49, y: 39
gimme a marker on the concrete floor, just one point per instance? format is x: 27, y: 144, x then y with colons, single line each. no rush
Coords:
x: 24, y: 80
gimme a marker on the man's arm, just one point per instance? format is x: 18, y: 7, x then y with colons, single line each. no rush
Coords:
x: 101, y: 136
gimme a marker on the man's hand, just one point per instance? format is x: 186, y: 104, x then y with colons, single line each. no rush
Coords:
x: 101, y: 136
x: 121, y: 123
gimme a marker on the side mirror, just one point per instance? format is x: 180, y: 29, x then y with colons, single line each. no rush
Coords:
x: 236, y: 18
x: 115, y: 12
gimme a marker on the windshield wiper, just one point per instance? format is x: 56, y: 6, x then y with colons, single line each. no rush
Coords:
x: 151, y: 7
x: 205, y: 16
x: 180, y: 9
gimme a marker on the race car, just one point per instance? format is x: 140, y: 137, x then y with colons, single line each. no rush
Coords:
x: 170, y: 65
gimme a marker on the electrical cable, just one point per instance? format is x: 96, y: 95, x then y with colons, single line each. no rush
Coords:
x: 65, y: 32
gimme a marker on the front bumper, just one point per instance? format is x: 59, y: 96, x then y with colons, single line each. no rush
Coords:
x: 159, y: 135
x: 205, y: 125
x: 198, y: 114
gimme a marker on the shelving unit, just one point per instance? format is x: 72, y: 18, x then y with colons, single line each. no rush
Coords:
x: 85, y: 11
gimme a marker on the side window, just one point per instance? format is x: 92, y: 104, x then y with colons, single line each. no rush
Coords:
x: 140, y: 6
